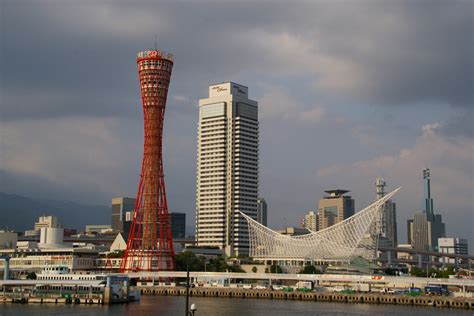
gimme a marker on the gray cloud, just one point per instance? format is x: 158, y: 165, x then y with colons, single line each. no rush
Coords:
x: 77, y: 59
x: 459, y: 125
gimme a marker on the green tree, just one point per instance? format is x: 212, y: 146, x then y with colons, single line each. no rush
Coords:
x: 275, y: 269
x: 434, y: 273
x: 254, y: 269
x: 195, y: 263
x: 116, y: 254
x: 391, y: 271
x: 218, y: 264
x: 418, y: 272
x: 310, y: 270
x: 31, y: 276
x: 447, y: 272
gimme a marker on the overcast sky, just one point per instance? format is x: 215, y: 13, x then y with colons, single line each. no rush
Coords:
x: 347, y: 91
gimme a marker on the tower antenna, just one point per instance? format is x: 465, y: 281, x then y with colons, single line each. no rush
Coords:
x: 156, y: 39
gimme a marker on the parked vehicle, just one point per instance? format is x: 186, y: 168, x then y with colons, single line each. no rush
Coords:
x: 304, y: 285
x: 413, y: 291
x: 336, y: 289
x: 436, y: 290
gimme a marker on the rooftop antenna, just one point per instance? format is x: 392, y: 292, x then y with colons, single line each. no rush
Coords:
x: 156, y: 38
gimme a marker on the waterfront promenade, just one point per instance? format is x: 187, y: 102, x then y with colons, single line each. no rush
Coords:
x: 368, y: 298
x: 367, y: 289
x: 317, y: 279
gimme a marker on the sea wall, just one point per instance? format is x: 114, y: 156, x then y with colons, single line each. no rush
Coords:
x: 368, y: 298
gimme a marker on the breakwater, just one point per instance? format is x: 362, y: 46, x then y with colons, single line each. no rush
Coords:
x: 368, y: 298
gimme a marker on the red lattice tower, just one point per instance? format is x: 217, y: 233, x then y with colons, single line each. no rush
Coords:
x: 149, y: 245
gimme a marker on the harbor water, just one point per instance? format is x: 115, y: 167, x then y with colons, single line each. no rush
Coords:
x: 209, y: 306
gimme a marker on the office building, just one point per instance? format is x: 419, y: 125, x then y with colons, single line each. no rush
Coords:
x: 310, y: 221
x: 227, y: 168
x: 387, y: 223
x: 262, y: 211
x: 451, y: 245
x: 426, y: 227
x: 120, y: 207
x: 98, y: 229
x: 334, y: 208
x: 178, y: 225
x: 46, y: 222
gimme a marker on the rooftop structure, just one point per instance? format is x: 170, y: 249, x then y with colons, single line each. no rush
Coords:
x: 336, y: 193
x: 46, y: 221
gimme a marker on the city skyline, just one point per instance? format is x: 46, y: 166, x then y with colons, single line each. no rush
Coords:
x: 396, y: 93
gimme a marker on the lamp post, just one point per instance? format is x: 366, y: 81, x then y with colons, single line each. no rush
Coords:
x: 187, y: 284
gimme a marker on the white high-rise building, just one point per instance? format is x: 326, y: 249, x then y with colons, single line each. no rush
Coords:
x: 311, y: 221
x: 227, y: 168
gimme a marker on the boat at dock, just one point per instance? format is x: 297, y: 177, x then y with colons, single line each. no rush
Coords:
x: 57, y: 283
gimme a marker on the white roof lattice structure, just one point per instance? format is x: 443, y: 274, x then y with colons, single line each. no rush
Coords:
x: 350, y: 238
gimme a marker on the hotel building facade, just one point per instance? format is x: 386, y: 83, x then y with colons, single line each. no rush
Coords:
x: 227, y: 168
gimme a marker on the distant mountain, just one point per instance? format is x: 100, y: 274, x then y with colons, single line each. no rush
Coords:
x: 20, y: 213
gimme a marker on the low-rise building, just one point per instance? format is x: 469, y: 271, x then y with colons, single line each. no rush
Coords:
x: 98, y: 229
x: 404, y: 255
x: 51, y: 251
x: 293, y: 231
x: 8, y: 239
x: 35, y: 260
x: 450, y: 245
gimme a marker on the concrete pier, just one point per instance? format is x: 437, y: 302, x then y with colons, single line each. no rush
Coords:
x: 46, y: 300
x: 367, y: 298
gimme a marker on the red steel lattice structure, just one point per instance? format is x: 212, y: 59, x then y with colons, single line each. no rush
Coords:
x: 149, y: 245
